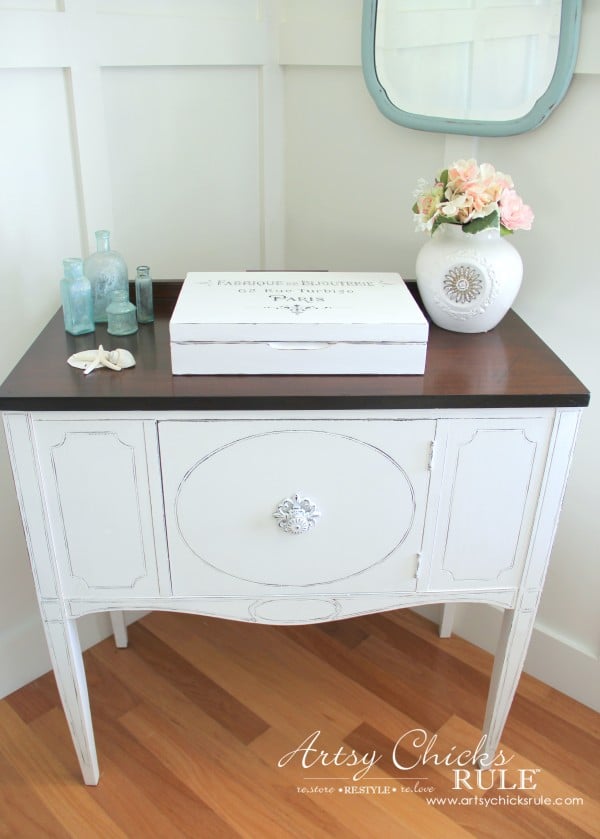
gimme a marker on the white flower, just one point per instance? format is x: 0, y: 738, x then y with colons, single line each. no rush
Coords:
x: 454, y: 205
x: 421, y: 225
x: 422, y: 187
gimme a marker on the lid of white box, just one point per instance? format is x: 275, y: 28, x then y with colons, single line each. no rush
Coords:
x: 296, y: 306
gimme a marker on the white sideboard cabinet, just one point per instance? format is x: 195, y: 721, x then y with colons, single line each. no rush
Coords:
x: 289, y: 500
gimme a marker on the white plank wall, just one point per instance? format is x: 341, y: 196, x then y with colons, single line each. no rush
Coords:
x: 115, y: 113
x: 232, y: 134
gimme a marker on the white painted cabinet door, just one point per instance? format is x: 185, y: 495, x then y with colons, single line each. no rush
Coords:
x: 492, y: 475
x: 229, y: 487
x: 96, y: 488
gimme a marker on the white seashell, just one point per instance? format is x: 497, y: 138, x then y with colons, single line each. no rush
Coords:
x: 89, y: 360
x: 122, y: 358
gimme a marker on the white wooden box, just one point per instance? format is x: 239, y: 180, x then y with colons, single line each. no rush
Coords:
x: 305, y: 323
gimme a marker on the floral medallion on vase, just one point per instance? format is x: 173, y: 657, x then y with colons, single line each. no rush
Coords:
x: 468, y: 274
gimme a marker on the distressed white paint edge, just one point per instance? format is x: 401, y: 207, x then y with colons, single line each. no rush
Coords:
x: 558, y: 662
x: 24, y: 652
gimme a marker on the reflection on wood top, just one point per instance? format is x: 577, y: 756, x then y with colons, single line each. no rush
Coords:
x: 507, y: 367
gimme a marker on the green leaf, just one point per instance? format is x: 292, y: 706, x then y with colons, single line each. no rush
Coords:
x: 479, y: 224
x: 444, y: 178
x: 442, y: 220
x: 439, y: 220
x: 415, y: 208
x: 504, y: 231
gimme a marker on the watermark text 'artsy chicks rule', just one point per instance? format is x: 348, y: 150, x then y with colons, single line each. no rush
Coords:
x: 471, y: 768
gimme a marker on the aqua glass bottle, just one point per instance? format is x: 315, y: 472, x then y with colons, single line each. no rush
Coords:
x: 76, y: 298
x: 107, y: 272
x: 121, y: 314
x: 143, y: 295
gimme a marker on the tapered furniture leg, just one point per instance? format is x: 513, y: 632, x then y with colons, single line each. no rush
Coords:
x: 65, y: 653
x: 517, y: 627
x: 447, y: 622
x: 119, y: 628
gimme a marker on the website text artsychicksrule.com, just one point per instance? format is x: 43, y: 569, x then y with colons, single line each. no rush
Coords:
x: 485, y: 801
x: 505, y: 801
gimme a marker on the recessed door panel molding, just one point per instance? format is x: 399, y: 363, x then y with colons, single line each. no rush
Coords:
x: 96, y: 488
x: 493, y: 473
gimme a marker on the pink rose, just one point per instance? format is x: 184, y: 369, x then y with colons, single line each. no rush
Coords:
x: 514, y: 215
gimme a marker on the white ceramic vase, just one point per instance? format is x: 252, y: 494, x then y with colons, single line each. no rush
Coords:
x: 468, y: 281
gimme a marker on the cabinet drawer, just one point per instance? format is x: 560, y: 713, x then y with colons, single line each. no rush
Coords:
x: 255, y: 507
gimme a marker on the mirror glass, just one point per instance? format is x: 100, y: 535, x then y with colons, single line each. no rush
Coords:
x: 469, y: 66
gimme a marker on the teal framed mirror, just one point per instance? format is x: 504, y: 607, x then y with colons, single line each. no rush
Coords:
x: 476, y: 67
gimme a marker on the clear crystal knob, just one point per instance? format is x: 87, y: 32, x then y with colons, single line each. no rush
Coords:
x: 296, y: 514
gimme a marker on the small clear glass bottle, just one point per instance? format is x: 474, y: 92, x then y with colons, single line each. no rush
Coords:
x: 107, y: 272
x: 121, y: 314
x: 76, y: 298
x: 143, y: 295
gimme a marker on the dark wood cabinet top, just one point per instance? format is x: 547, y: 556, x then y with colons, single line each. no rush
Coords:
x: 507, y: 367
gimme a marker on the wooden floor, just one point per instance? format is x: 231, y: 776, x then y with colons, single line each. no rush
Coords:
x: 193, y: 718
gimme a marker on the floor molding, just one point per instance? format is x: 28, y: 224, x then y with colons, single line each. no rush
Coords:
x: 553, y: 660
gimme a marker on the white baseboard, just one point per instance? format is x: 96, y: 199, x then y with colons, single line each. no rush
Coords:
x: 553, y: 660
x: 24, y: 653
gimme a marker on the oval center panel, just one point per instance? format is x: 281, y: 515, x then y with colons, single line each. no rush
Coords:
x: 227, y: 507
